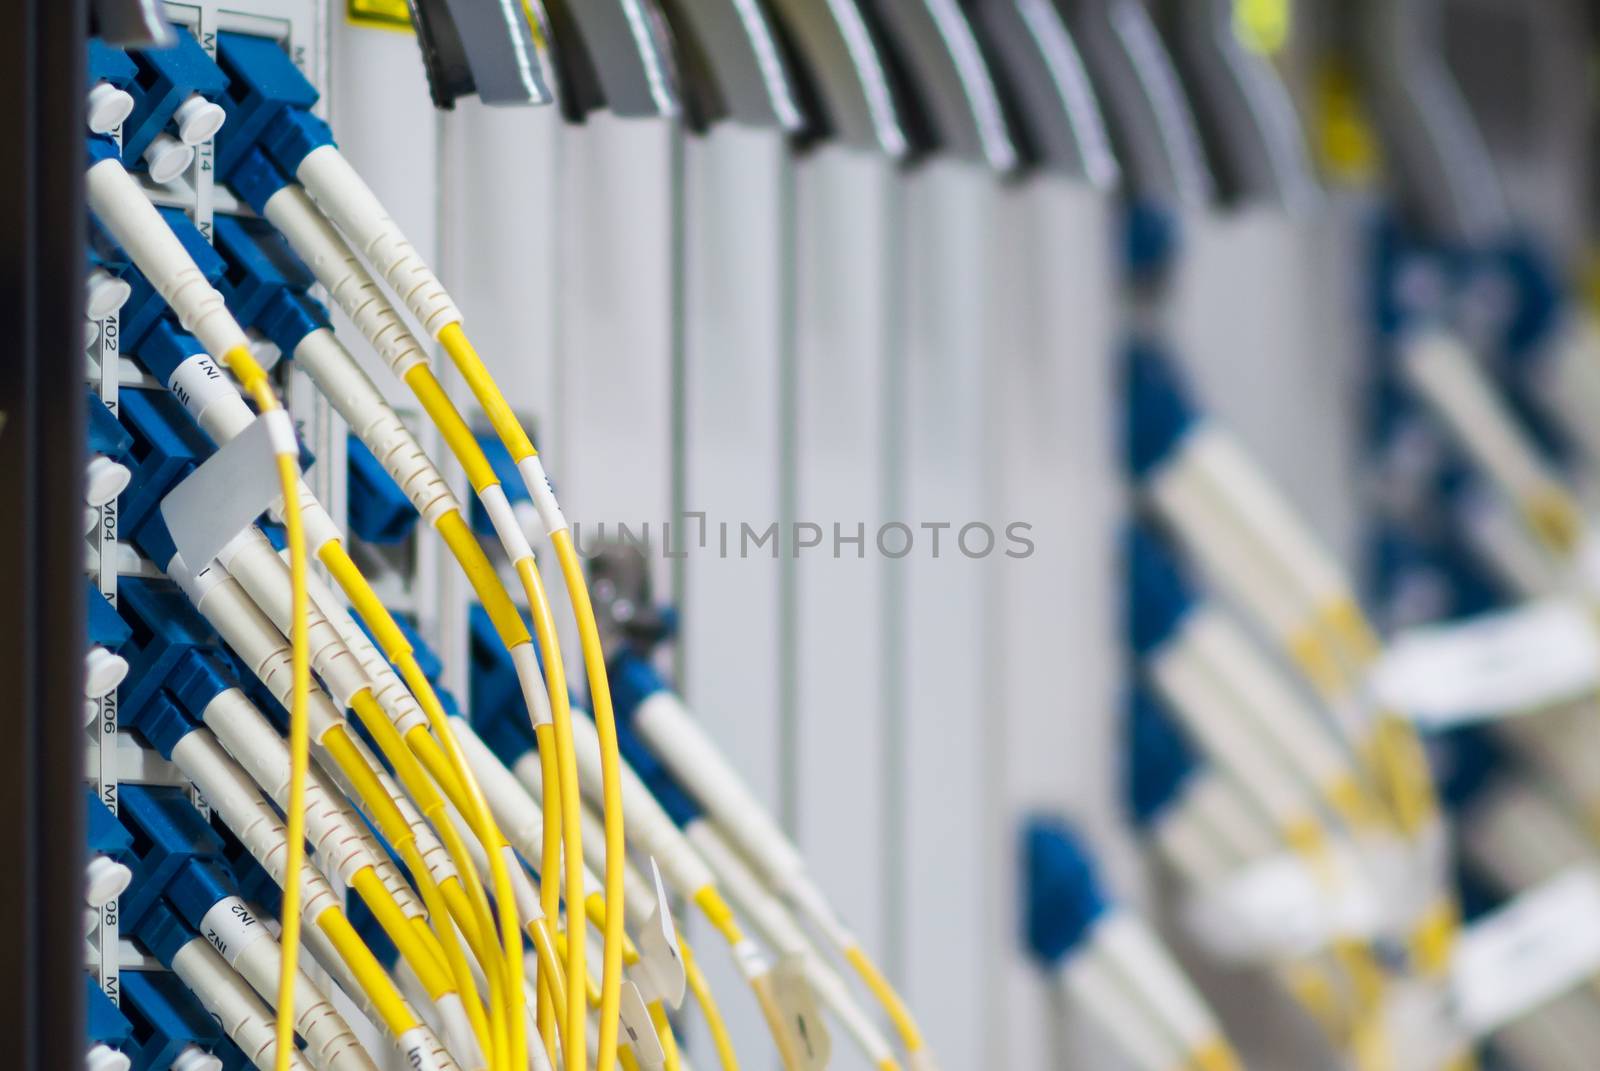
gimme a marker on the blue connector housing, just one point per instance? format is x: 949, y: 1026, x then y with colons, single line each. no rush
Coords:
x: 264, y: 84
x: 1160, y: 758
x: 176, y: 669
x: 1159, y: 411
x: 100, y: 147
x: 106, y: 435
x: 1159, y: 595
x: 167, y: 1018
x: 1062, y: 894
x: 160, y: 931
x: 167, y: 446
x: 103, y: 834
x: 109, y: 64
x: 166, y: 77
x: 179, y: 856
x: 265, y: 284
x: 101, y: 620
x: 633, y: 680
x: 252, y: 879
x: 379, y: 511
x: 103, y: 1022
x: 495, y: 699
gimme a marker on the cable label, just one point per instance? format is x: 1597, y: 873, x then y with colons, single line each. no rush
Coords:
x: 198, y: 381
x: 640, y: 1029
x: 419, y: 1052
x: 225, y: 495
x: 1542, y: 944
x: 660, y: 966
x: 231, y: 927
x: 1506, y: 663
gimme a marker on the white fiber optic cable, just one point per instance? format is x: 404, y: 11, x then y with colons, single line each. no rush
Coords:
x: 772, y: 920
x: 330, y: 1044
x: 244, y: 1017
x: 1441, y: 369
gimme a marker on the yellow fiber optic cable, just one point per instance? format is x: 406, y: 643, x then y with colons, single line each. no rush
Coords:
x: 412, y: 777
x: 716, y: 1026
x: 254, y: 380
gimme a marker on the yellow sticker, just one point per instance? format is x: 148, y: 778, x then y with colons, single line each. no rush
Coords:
x: 386, y: 14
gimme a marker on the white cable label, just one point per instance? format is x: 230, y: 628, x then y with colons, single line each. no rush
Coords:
x: 280, y: 429
x: 543, y: 495
x: 1511, y: 662
x: 660, y: 965
x: 196, y: 585
x: 225, y: 495
x: 417, y: 1051
x: 1280, y: 908
x: 198, y: 382
x: 1543, y: 943
x: 640, y: 1029
x: 231, y: 927
x: 797, y: 1005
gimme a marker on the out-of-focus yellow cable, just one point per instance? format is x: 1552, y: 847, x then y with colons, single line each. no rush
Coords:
x: 611, y: 788
x: 254, y: 380
x: 700, y: 989
x: 544, y: 737
x: 885, y: 995
x: 568, y: 811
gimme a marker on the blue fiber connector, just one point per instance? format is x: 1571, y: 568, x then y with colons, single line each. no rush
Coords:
x: 180, y: 860
x: 103, y: 1023
x: 1159, y: 595
x: 104, y: 626
x: 165, y: 78
x: 1061, y: 890
x: 265, y: 83
x: 167, y: 1018
x: 176, y: 667
x: 1158, y: 407
x: 1159, y: 757
x: 103, y: 834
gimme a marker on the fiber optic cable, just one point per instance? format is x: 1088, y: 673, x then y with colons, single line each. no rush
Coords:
x: 336, y: 267
x: 313, y: 159
x: 661, y: 721
x: 122, y: 206
x: 222, y: 414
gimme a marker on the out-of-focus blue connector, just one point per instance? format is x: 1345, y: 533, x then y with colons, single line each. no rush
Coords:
x: 1159, y: 595
x: 1159, y: 410
x: 103, y: 834
x: 167, y: 1020
x: 1160, y: 758
x: 165, y: 79
x: 108, y: 63
x: 379, y: 511
x: 1062, y: 894
x: 265, y: 283
x: 106, y: 435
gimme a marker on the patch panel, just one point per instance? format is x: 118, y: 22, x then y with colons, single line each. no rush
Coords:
x: 161, y: 110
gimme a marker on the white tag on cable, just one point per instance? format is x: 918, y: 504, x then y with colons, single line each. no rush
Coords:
x: 797, y: 1003
x: 225, y: 495
x: 634, y: 1018
x: 1285, y: 907
x: 660, y: 968
x: 1511, y: 662
x: 1543, y: 943
x: 231, y: 927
